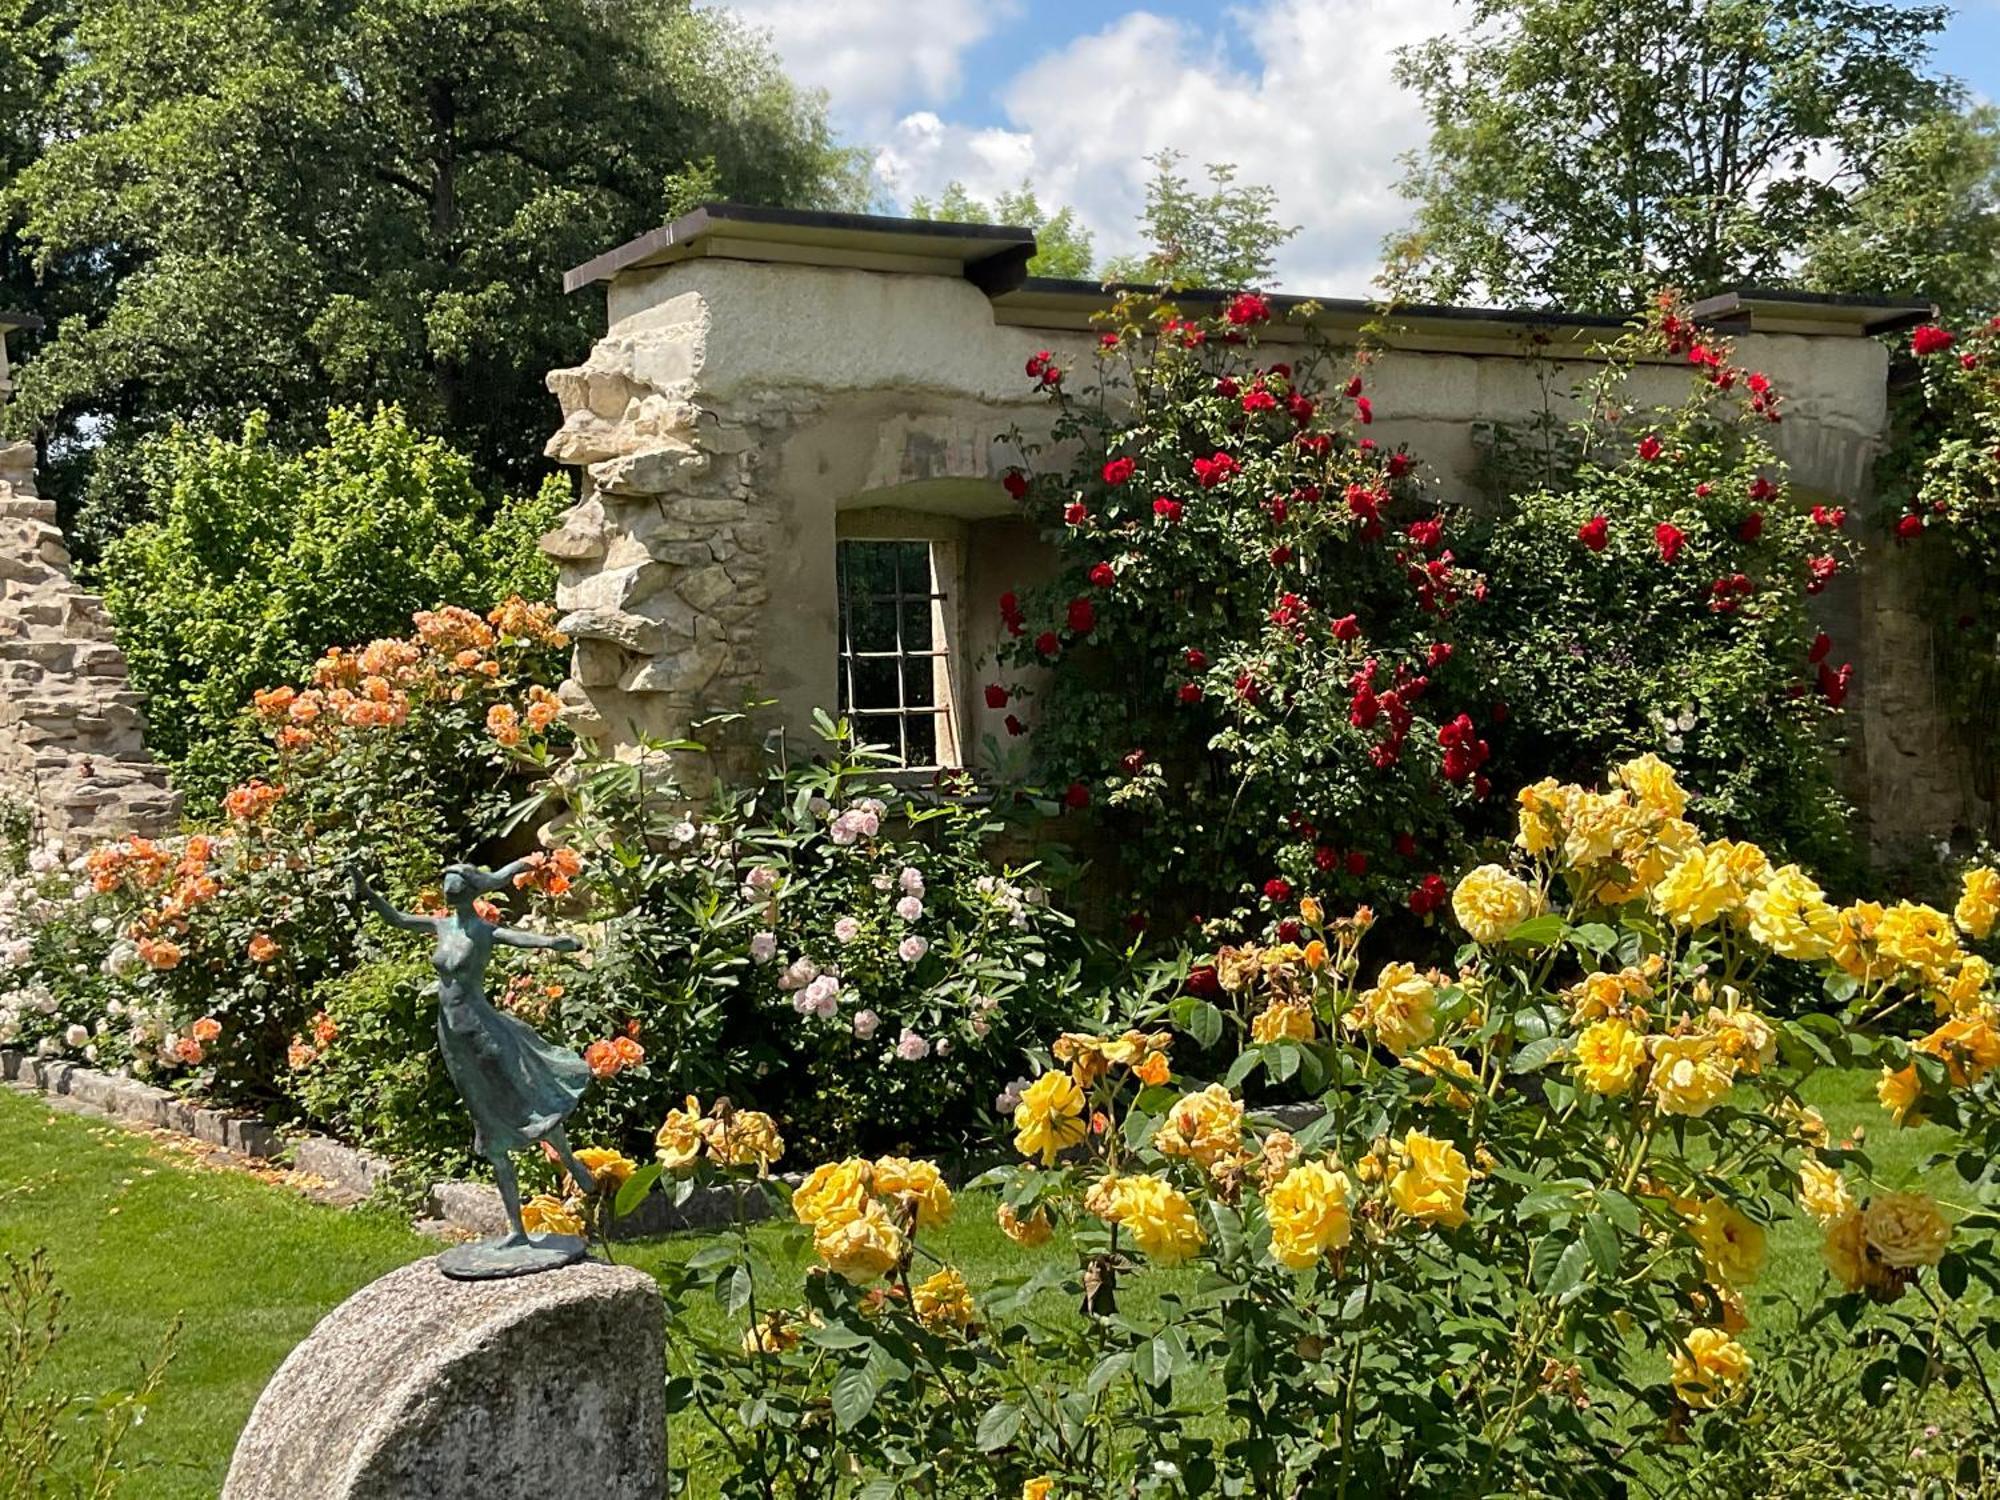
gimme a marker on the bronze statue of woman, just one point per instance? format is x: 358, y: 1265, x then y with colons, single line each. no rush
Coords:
x: 519, y: 1087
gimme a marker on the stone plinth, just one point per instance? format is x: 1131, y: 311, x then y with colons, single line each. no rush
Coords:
x: 419, y: 1386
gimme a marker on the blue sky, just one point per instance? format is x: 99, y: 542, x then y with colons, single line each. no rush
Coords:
x: 1075, y: 93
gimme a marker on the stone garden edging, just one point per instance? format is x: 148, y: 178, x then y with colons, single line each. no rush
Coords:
x: 352, y: 1174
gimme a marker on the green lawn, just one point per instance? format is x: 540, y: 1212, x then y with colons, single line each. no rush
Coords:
x: 138, y: 1235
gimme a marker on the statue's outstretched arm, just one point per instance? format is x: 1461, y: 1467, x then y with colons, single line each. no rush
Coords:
x: 514, y: 937
x: 503, y: 878
x: 388, y: 913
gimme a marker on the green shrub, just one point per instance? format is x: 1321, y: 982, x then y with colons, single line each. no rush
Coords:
x: 259, y: 560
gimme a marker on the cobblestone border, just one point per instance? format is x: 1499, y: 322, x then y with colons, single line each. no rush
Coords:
x: 467, y: 1207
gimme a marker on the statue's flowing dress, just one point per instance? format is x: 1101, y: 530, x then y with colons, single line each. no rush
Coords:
x: 518, y: 1086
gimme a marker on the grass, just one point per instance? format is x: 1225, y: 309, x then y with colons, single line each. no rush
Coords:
x: 140, y: 1233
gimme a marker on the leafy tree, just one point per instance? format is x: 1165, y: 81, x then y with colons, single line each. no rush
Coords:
x: 1227, y: 237
x: 1062, y: 245
x: 278, y: 206
x: 1928, y: 226
x: 260, y: 560
x: 1585, y: 151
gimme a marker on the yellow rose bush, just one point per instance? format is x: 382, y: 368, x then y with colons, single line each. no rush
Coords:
x: 1522, y: 1241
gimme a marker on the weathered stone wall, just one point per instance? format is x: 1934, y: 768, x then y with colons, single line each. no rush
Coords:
x: 72, y: 746
x: 738, y: 414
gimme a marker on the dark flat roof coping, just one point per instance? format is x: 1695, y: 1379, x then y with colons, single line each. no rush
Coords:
x: 994, y: 257
x: 19, y: 320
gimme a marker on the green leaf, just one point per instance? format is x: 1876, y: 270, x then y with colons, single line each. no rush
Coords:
x: 1601, y: 1239
x: 854, y: 1392
x: 634, y: 1190
x: 1594, y: 936
x: 740, y: 1289
x: 998, y: 1426
x: 1538, y: 932
x: 1536, y: 1054
x: 1108, y: 1369
x: 1567, y: 1274
x: 1204, y: 1024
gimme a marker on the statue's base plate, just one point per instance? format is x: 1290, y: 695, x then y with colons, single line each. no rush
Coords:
x: 493, y: 1260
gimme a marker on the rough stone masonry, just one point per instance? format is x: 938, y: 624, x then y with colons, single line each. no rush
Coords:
x: 72, y: 730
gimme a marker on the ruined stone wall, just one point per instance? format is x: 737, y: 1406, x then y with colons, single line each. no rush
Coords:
x: 72, y: 747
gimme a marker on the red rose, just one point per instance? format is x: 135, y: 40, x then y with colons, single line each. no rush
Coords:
x: 1167, y: 510
x: 1078, y: 795
x: 1819, y: 572
x: 1301, y: 408
x: 1216, y: 470
x: 1669, y: 538
x: 1277, y: 890
x: 1595, y: 533
x: 1326, y: 858
x: 1399, y: 464
x: 1015, y: 726
x: 1406, y: 845
x: 1833, y: 684
x: 1118, y: 470
x: 1107, y: 341
x: 1197, y: 659
x: 1076, y: 513
x: 1015, y: 483
x: 1131, y: 762
x: 1224, y: 386
x: 1649, y: 447
x: 1202, y: 980
x: 1037, y: 363
x: 1968, y: 361
x: 1259, y: 400
x: 1833, y: 517
x: 1761, y: 489
x: 1082, y: 616
x: 1910, y: 526
x: 1750, y: 527
x: 1280, y: 555
x: 996, y: 696
x: 1822, y: 643
x: 1190, y: 692
x: 1357, y: 863
x: 1046, y: 643
x: 1346, y: 628
x: 1101, y: 575
x: 1759, y: 383
x: 1354, y: 386
x: 1364, y: 409
x: 1246, y: 687
x: 1703, y: 490
x: 1288, y: 931
x: 1246, y: 310
x: 1439, y: 654
x: 1009, y: 605
x: 1930, y: 339
x: 1428, y: 895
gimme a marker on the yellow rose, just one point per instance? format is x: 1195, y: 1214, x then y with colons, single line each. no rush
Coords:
x: 1967, y: 987
x: 943, y: 1300
x: 1281, y: 1021
x: 774, y: 1333
x: 1651, y: 780
x: 1823, y: 1191
x: 1905, y: 1230
x: 1029, y: 1232
x: 1308, y: 1213
x: 1700, y: 888
x: 1205, y: 1127
x: 918, y: 1182
x: 747, y: 1138
x: 1442, y: 1062
x: 1049, y: 1118
x: 1310, y: 911
x: 1431, y: 1184
x: 547, y: 1214
x: 1919, y: 939
x: 1596, y: 825
x: 1608, y: 1056
x: 1748, y: 866
x: 1978, y: 902
x: 1854, y: 946
x: 834, y: 1192
x: 610, y: 1170
x: 1491, y: 902
x: 1845, y: 1251
x: 1746, y: 1036
x: 1899, y: 1091
x: 1159, y: 1218
x: 1039, y: 1488
x: 1595, y: 996
x: 1967, y: 1045
x: 1791, y: 916
x: 860, y: 1246
x: 1280, y: 1152
x: 1708, y: 1371
x: 679, y: 1141
x: 1101, y: 1197
x: 1541, y: 807
x: 1400, y: 1012
x: 1691, y: 1074
x: 1732, y: 1247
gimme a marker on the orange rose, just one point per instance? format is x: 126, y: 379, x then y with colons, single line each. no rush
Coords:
x: 263, y: 948
x: 630, y: 1054
x: 602, y: 1059
x: 207, y: 1029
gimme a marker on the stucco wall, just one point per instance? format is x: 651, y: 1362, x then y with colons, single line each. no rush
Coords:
x: 735, y: 410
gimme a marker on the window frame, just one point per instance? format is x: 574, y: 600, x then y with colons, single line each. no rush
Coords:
x: 943, y: 593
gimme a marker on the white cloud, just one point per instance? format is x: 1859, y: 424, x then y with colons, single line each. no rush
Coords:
x: 1317, y: 115
x: 875, y: 56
